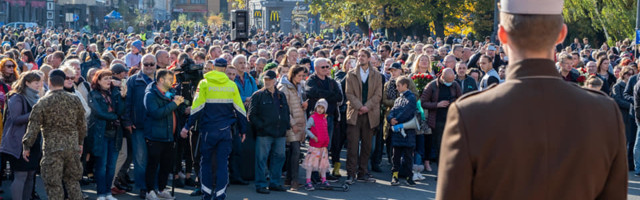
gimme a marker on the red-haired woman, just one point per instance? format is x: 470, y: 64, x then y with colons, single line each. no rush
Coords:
x: 107, y: 105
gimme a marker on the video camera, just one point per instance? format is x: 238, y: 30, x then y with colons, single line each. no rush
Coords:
x: 188, y: 76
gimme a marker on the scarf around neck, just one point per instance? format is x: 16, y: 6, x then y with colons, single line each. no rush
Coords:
x: 31, y: 96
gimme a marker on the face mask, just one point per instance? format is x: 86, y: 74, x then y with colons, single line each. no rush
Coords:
x: 448, y: 84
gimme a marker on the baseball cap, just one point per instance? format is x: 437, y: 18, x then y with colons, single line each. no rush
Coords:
x: 270, y: 75
x: 220, y: 62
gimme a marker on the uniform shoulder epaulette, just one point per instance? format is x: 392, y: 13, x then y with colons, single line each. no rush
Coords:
x: 590, y: 90
x: 467, y: 95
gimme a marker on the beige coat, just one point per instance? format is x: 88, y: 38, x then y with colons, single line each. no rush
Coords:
x: 295, y: 109
x: 353, y: 91
x: 535, y: 136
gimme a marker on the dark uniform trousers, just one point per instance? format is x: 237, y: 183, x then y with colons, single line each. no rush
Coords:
x: 360, y: 134
x: 58, y: 167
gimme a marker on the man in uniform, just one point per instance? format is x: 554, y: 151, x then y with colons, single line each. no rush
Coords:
x: 546, y: 138
x: 62, y: 138
x: 217, y: 106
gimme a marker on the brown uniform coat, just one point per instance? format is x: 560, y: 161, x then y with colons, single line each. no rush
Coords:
x: 353, y: 92
x: 534, y: 136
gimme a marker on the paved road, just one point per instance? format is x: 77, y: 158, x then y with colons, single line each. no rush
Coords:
x: 381, y: 190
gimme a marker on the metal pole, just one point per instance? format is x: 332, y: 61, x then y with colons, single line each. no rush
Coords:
x: 635, y: 52
x: 496, y: 13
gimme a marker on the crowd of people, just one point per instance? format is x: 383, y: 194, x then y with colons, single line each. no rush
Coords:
x: 188, y: 105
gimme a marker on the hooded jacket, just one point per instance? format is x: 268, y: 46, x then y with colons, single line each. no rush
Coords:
x: 217, y: 104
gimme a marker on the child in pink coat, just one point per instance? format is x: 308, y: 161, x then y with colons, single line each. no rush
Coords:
x: 317, y: 158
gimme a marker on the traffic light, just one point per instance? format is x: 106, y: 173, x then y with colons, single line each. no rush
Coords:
x: 239, y: 25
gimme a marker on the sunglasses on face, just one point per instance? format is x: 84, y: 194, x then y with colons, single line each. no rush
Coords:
x: 324, y: 67
x: 69, y: 78
x: 149, y: 64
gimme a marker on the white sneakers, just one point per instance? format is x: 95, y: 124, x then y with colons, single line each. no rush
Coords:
x: 165, y: 195
x: 152, y: 195
x: 109, y: 197
x: 417, y: 176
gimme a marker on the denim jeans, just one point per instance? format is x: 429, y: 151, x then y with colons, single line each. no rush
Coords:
x: 105, y: 166
x: 272, y: 149
x: 636, y: 150
x: 139, y: 147
x: 330, y: 128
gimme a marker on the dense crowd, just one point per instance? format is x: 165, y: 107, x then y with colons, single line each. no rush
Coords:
x: 190, y: 104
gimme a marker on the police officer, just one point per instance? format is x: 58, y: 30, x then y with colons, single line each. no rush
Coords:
x: 546, y: 138
x: 217, y: 106
x: 62, y: 138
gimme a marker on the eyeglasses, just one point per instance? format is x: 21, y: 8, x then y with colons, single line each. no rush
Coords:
x: 324, y: 67
x: 630, y: 74
x: 405, y: 49
x: 69, y: 78
x: 11, y: 65
x: 149, y: 64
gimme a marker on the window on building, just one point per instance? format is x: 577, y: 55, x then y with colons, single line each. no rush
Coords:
x: 182, y: 1
x: 197, y: 1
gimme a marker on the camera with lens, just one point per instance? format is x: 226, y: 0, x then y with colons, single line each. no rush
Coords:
x: 188, y: 76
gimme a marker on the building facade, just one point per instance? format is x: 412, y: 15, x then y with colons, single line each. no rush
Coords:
x: 288, y: 16
x: 199, y: 9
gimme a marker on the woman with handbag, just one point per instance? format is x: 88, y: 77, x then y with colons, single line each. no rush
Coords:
x: 107, y: 104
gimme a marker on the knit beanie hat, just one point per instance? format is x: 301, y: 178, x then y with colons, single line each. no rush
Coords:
x: 322, y: 102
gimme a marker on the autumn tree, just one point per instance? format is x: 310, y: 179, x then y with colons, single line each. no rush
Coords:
x: 614, y: 18
x: 397, y: 14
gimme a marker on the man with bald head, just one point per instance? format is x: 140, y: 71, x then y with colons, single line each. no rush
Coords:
x: 534, y: 136
x: 436, y: 97
x: 449, y: 62
x: 163, y: 59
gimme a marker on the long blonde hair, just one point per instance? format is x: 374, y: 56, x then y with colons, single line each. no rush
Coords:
x: 416, y: 64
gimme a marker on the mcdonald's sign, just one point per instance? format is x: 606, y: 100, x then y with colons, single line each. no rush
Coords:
x: 275, y: 16
x: 257, y: 13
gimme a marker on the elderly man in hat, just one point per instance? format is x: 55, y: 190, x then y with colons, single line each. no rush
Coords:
x: 559, y: 141
x: 216, y: 107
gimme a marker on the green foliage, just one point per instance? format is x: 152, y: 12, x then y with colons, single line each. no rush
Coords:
x: 483, y: 19
x: 391, y: 13
x: 615, y: 18
x: 184, y: 22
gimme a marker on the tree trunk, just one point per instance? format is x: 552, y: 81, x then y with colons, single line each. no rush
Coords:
x: 439, y: 25
x: 363, y: 25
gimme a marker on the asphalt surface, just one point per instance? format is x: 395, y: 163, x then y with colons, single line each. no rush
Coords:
x: 380, y: 190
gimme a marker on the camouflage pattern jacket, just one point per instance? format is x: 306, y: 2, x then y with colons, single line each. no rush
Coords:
x: 59, y: 115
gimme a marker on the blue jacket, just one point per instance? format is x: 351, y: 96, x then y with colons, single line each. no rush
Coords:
x: 248, y: 88
x: 135, y: 113
x: 160, y: 115
x: 217, y: 104
x: 404, y: 109
x: 100, y: 116
x: 16, y: 118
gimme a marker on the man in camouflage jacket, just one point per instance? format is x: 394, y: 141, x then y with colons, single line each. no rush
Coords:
x: 62, y: 138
